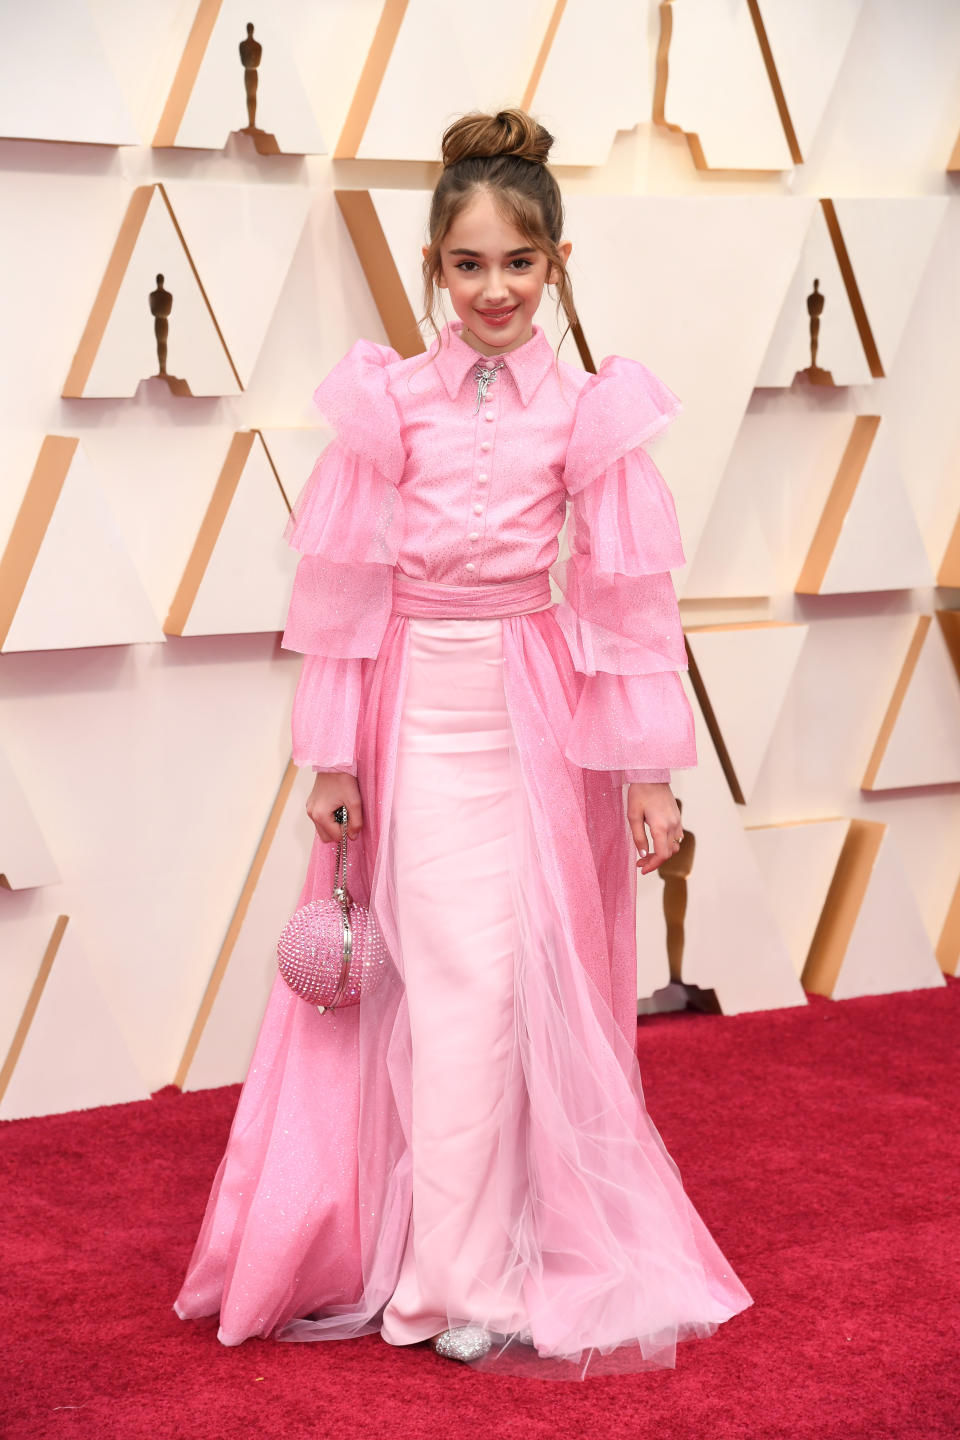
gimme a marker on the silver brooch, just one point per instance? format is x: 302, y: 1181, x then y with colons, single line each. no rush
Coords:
x: 485, y: 378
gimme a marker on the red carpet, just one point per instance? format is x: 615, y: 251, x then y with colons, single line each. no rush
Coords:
x: 820, y: 1146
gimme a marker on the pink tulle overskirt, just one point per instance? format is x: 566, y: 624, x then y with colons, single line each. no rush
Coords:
x: 470, y: 1144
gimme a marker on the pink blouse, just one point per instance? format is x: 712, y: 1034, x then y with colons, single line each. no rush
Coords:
x: 423, y: 478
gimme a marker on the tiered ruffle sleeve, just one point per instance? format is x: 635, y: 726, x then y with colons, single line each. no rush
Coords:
x: 347, y: 523
x: 619, y: 613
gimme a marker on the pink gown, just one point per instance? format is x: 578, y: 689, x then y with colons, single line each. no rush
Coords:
x: 470, y: 1144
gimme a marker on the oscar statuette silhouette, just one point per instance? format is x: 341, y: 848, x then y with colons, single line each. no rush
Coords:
x: 813, y: 374
x: 251, y: 54
x: 161, y: 304
x: 675, y: 874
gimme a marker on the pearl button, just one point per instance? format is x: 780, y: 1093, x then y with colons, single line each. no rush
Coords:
x: 488, y: 414
x: 469, y: 565
x: 482, y: 476
x: 486, y: 445
x: 478, y: 509
x: 474, y: 535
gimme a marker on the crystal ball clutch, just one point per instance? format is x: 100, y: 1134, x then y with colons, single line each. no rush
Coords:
x: 331, y: 952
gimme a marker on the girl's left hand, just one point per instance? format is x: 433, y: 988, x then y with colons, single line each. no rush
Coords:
x: 653, y: 804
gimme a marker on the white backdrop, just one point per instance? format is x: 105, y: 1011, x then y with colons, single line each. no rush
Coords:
x: 145, y: 789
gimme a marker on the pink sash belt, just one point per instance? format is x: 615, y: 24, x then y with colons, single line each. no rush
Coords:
x: 428, y: 599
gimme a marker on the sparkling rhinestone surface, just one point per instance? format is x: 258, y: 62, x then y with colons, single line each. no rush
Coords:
x: 466, y: 1342
x: 310, y: 954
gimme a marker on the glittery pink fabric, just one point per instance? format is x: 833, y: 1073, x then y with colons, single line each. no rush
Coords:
x: 597, y: 1250
x: 416, y: 479
x: 306, y: 1228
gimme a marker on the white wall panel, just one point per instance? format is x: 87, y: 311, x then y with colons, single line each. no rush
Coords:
x: 226, y: 1042
x: 74, y: 1054
x: 149, y: 769
x: 894, y: 114
x: 733, y: 943
x: 83, y: 588
x: 890, y: 241
x: 797, y: 861
x: 25, y: 858
x: 474, y: 59
x: 718, y: 89
x: 248, y: 574
x: 650, y: 271
x: 57, y: 82
x: 923, y: 743
x: 809, y: 44
x: 889, y: 949
x: 595, y: 79
x: 242, y: 239
x: 746, y: 670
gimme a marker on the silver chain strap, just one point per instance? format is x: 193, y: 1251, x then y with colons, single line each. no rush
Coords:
x: 341, y: 895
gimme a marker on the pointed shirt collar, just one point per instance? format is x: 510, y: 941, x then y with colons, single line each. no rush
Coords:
x: 455, y: 359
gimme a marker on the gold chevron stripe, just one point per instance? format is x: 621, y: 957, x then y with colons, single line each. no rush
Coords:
x: 536, y: 73
x: 96, y: 325
x: 662, y: 78
x: 33, y: 1001
x: 661, y: 81
x: 853, y: 290
x: 838, y: 503
x: 949, y: 621
x: 949, y: 572
x: 209, y: 532
x: 780, y: 98
x: 276, y: 472
x: 713, y: 726
x: 30, y: 526
x: 948, y: 945
x: 371, y: 78
x: 196, y: 275
x: 187, y: 72
x: 896, y: 700
x: 379, y: 267
x: 236, y: 923
x: 842, y: 906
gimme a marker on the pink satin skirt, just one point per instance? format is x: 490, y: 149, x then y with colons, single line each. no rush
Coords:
x: 453, y: 814
x: 471, y: 1145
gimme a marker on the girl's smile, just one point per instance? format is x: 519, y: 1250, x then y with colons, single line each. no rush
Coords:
x: 498, y: 317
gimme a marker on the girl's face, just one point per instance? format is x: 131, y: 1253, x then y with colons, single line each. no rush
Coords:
x: 494, y: 276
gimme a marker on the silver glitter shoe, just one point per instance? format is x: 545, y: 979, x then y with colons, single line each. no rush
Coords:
x: 466, y: 1342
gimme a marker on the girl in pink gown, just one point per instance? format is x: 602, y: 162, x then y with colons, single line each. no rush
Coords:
x: 466, y: 1156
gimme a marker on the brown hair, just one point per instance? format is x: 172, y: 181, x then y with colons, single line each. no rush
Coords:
x: 506, y: 154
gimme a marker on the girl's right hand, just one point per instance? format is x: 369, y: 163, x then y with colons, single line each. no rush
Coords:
x: 330, y: 790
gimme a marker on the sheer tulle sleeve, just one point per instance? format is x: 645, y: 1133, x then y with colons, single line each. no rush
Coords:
x: 347, y: 525
x: 619, y: 611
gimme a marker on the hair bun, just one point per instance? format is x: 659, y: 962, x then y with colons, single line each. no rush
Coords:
x: 510, y: 132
